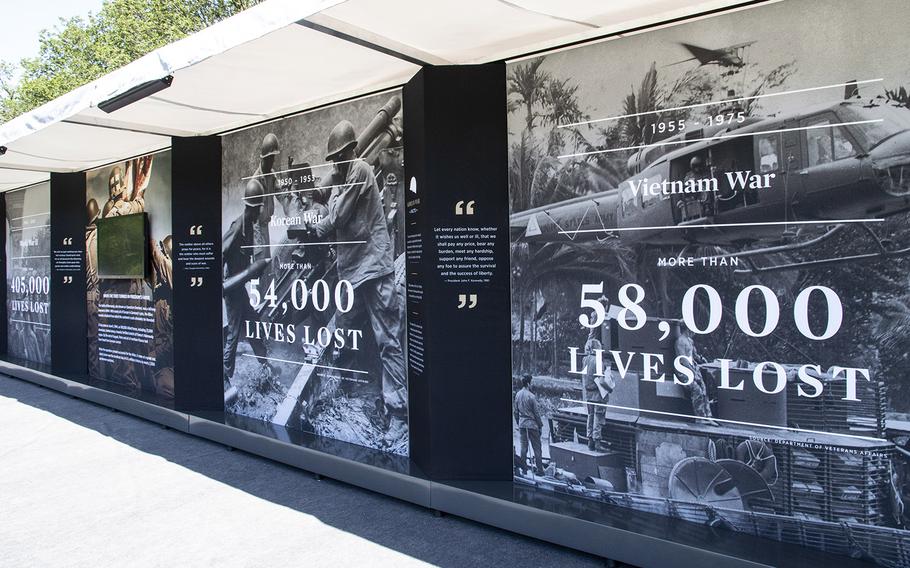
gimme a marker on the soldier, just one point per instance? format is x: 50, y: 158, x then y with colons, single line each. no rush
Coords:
x: 126, y: 196
x: 127, y: 191
x: 162, y: 292
x: 299, y: 202
x: 238, y: 269
x: 530, y: 424
x: 696, y: 389
x: 162, y: 274
x: 268, y: 156
x: 91, y: 243
x: 592, y: 395
x: 696, y: 205
x: 92, y: 213
x: 355, y: 216
x: 601, y: 333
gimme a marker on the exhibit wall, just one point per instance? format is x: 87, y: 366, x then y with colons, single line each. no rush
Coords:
x: 28, y: 267
x: 313, y: 257
x: 129, y: 277
x: 710, y: 303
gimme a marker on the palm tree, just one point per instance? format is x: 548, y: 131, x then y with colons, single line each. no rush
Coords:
x: 560, y: 101
x: 635, y: 129
x: 526, y: 84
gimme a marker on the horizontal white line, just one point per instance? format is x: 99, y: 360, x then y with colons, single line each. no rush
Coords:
x: 27, y: 216
x: 305, y: 244
x: 27, y: 228
x: 305, y: 363
x: 724, y: 101
x: 725, y: 137
x: 719, y: 225
x: 307, y: 189
x: 295, y: 169
x: 301, y: 166
x: 31, y: 322
x: 23, y: 257
x: 867, y: 438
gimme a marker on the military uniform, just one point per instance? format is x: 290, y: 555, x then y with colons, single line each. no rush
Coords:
x: 591, y: 394
x: 696, y: 389
x: 261, y: 235
x: 163, y: 336
x: 355, y: 215
x: 527, y: 414
x: 92, y: 296
x: 236, y: 301
x: 119, y: 207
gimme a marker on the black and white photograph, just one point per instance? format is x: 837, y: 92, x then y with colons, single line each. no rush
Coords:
x: 709, y: 260
x: 129, y: 277
x: 28, y: 268
x: 314, y: 279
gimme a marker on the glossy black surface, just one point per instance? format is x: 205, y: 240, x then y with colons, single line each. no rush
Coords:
x: 353, y: 452
x: 719, y: 541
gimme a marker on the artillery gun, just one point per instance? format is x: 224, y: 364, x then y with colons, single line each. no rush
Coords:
x: 378, y: 142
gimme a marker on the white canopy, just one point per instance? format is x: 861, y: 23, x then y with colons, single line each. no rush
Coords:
x: 284, y: 56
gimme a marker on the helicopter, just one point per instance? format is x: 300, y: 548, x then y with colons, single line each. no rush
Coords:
x: 827, y: 169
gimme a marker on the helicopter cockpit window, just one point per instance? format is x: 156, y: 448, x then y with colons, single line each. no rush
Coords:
x: 843, y: 148
x: 769, y: 153
x: 827, y: 144
x: 627, y: 198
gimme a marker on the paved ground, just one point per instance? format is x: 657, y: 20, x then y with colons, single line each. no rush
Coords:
x: 81, y: 485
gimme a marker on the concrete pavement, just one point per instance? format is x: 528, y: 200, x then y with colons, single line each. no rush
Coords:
x: 81, y: 485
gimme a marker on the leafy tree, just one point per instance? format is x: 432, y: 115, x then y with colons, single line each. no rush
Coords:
x: 639, y: 110
x: 545, y: 101
x: 561, y: 102
x: 526, y: 85
x: 80, y: 50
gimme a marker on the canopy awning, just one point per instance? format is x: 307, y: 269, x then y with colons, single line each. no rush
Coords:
x: 284, y: 56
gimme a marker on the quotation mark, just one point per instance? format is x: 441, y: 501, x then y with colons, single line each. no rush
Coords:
x: 461, y: 208
x: 463, y: 301
x: 68, y: 241
x: 67, y: 279
x: 195, y: 281
x: 195, y: 229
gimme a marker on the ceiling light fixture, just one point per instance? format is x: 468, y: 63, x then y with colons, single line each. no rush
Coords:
x: 137, y: 93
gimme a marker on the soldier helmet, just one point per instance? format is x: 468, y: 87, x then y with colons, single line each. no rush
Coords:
x: 253, y: 193
x: 91, y: 210
x: 269, y: 146
x: 115, y: 182
x: 341, y: 138
x: 696, y: 162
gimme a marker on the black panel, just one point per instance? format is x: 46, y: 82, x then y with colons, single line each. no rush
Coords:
x: 196, y: 218
x: 460, y: 388
x: 69, y: 318
x: 418, y: 384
